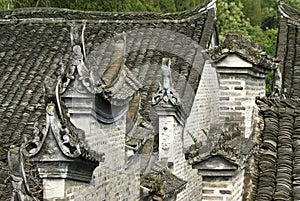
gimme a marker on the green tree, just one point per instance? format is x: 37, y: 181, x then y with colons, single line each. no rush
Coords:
x: 134, y: 6
x: 231, y: 18
x: 152, y: 5
x: 267, y: 39
x: 6, y: 5
x: 187, y: 4
x: 252, y: 11
x: 295, y: 4
x: 167, y: 5
x: 270, y: 17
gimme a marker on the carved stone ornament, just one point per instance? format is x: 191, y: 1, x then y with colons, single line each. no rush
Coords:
x: 165, y: 144
x: 117, y: 84
x: 58, y: 150
x: 66, y: 135
x: 21, y: 191
x: 277, y: 90
x: 166, y: 94
x: 83, y: 72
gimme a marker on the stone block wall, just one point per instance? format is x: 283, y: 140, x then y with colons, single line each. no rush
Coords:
x: 223, y: 188
x: 107, y: 185
x: 100, y: 137
x: 181, y: 169
x: 205, y: 109
x: 111, y: 180
x: 238, y: 185
x: 237, y: 101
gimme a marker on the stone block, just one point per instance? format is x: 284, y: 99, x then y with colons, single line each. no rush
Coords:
x: 53, y: 188
x: 225, y: 192
x: 226, y: 98
x: 208, y: 191
x: 211, y: 197
x: 240, y: 108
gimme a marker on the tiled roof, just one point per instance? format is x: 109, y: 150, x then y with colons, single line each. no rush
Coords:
x: 288, y: 50
x: 236, y: 44
x: 235, y: 149
x: 35, y: 44
x: 276, y: 165
x: 162, y: 183
x: 156, y: 177
x: 277, y: 175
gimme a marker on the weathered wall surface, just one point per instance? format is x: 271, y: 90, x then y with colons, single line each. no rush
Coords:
x: 111, y: 180
x: 107, y: 185
x: 238, y: 185
x: 223, y: 188
x: 205, y: 110
x: 181, y: 169
x: 237, y: 101
x: 240, y: 84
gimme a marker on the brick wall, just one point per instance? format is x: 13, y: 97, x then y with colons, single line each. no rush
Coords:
x: 104, y: 138
x: 238, y: 185
x: 254, y: 87
x: 107, y: 185
x: 237, y: 101
x: 111, y: 180
x: 221, y: 188
x: 193, y: 190
x: 205, y: 109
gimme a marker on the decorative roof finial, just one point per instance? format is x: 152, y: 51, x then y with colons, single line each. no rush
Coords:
x: 165, y: 93
x: 166, y: 73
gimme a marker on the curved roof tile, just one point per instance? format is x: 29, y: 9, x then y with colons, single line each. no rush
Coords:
x: 36, y: 43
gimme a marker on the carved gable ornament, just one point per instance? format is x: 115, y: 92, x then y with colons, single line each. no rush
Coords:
x: 112, y: 86
x: 58, y: 150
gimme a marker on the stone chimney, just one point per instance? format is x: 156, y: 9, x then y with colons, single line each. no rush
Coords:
x: 243, y: 68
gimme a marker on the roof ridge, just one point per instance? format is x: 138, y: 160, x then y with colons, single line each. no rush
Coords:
x: 236, y: 43
x: 69, y: 14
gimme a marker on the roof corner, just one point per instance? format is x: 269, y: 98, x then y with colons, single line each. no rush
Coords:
x: 289, y: 12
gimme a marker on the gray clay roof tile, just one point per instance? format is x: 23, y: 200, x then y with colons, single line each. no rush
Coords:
x: 279, y: 149
x: 35, y: 44
x: 288, y: 50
